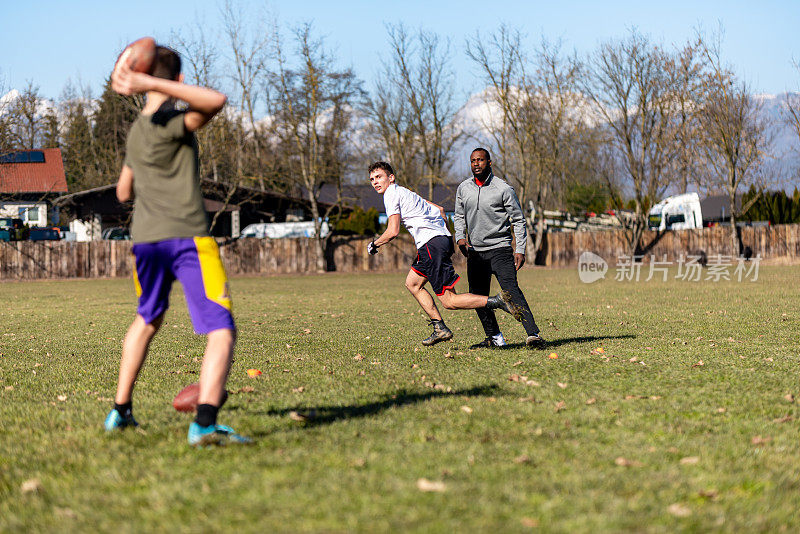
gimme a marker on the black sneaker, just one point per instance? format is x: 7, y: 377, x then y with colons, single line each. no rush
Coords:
x: 503, y: 301
x: 440, y: 333
x: 535, y: 342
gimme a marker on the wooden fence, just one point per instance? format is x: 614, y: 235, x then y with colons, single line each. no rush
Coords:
x: 29, y: 260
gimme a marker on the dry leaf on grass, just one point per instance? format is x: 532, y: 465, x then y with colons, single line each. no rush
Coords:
x: 466, y: 409
x: 33, y: 485
x: 679, y: 510
x: 516, y: 363
x: 66, y: 513
x: 62, y: 398
x: 708, y: 494
x: 358, y: 357
x: 529, y: 522
x: 789, y: 397
x: 689, y: 460
x: 784, y: 419
x: 758, y: 440
x: 245, y: 389
x: 591, y: 401
x: 300, y: 417
x: 423, y: 484
x: 698, y: 364
x: 625, y: 462
x: 522, y: 459
x: 560, y: 405
x: 562, y: 385
x: 298, y: 389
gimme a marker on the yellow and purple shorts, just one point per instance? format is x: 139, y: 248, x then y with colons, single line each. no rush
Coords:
x: 196, y: 264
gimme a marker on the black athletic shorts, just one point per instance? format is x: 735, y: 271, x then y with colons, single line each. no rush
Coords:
x: 434, y: 263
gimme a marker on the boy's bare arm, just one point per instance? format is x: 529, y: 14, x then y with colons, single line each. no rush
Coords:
x: 392, y: 230
x: 203, y: 102
x: 125, y: 184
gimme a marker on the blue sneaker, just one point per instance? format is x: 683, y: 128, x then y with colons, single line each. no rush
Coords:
x: 116, y: 421
x: 200, y: 436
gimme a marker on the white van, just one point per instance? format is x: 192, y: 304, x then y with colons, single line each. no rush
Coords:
x: 680, y: 212
x: 283, y: 230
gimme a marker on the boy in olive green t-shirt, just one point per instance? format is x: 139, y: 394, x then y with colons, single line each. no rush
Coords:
x: 171, y: 241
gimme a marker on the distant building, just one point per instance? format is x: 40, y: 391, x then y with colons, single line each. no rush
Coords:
x: 232, y: 210
x: 717, y: 208
x: 29, y: 181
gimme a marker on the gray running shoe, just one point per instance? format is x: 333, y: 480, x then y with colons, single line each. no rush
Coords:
x: 440, y: 333
x: 535, y: 342
x: 503, y: 301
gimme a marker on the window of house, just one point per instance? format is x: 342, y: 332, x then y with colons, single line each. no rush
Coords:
x: 29, y: 215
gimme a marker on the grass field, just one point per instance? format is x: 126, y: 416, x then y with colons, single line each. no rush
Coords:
x: 686, y: 421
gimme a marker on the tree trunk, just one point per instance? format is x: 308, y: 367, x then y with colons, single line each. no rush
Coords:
x: 734, y: 235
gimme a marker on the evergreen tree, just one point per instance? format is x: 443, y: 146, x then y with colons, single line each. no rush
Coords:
x: 79, y: 161
x: 112, y: 120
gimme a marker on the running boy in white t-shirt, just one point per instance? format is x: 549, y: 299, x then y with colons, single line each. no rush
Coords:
x: 425, y: 221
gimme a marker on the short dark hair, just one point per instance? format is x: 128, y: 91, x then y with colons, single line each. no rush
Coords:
x: 481, y: 149
x: 167, y: 63
x: 381, y: 165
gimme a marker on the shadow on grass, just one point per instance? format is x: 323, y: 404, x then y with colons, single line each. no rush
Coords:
x: 324, y: 415
x: 551, y: 344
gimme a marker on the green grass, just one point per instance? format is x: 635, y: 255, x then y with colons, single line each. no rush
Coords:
x: 521, y: 454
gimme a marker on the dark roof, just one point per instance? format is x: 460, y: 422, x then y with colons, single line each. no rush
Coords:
x: 26, y: 173
x: 365, y: 197
x: 717, y: 208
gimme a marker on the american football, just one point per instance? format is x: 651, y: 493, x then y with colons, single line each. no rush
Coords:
x: 186, y: 399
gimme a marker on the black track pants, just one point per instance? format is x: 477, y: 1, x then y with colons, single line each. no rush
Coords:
x: 499, y: 262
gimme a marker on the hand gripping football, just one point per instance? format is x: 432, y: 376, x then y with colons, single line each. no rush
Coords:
x: 139, y: 55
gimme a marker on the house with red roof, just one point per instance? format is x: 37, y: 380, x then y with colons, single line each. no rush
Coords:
x: 29, y: 181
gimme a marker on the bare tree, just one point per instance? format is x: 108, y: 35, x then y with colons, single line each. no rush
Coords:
x: 633, y: 86
x: 248, y: 46
x: 735, y: 139
x: 6, y: 126
x: 25, y: 114
x: 200, y: 56
x: 420, y: 68
x: 540, y: 127
x: 793, y: 109
x: 311, y: 107
x: 510, y: 97
x: 391, y: 122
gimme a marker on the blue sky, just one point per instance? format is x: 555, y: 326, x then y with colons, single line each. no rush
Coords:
x: 51, y: 41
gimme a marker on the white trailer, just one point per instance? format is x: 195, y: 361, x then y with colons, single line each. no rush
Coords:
x: 679, y: 212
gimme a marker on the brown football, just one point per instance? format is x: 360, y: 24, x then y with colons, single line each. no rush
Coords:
x: 186, y: 399
x: 139, y: 55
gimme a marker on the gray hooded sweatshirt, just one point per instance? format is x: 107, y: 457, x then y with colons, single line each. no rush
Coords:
x: 484, y: 215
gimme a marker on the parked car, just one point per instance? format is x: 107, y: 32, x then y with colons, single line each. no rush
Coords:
x: 116, y: 233
x: 44, y: 234
x: 283, y: 229
x: 12, y: 229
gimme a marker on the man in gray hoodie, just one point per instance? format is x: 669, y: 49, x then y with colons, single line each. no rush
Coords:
x: 487, y: 210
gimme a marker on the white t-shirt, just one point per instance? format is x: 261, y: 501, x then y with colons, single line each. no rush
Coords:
x: 422, y: 219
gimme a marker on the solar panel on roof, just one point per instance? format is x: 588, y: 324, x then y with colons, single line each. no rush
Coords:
x: 23, y: 156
